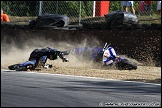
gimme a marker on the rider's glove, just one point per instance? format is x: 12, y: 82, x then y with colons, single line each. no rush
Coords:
x: 65, y: 60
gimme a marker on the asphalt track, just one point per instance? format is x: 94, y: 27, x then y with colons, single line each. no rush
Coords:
x: 32, y: 89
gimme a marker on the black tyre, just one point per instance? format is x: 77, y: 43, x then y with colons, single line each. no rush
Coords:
x: 155, y: 26
x: 126, y: 65
x: 32, y: 23
x: 116, y: 23
x: 146, y: 26
x: 136, y: 26
x: 60, y: 24
x: 14, y: 67
x: 126, y: 26
x: 85, y: 25
x: 115, y: 26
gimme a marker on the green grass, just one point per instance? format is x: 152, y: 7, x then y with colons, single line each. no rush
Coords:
x: 142, y: 19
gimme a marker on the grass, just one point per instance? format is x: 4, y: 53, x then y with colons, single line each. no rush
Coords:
x: 142, y: 19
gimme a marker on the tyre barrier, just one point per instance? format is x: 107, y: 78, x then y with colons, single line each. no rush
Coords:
x: 124, y: 26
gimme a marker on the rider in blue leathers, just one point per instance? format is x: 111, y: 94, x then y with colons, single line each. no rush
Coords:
x: 39, y: 56
x: 109, y: 56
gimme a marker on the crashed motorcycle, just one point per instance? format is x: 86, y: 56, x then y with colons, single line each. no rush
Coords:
x: 95, y: 54
x: 30, y: 65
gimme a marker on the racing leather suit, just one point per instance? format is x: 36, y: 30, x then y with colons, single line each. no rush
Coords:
x: 109, y: 56
x: 40, y: 56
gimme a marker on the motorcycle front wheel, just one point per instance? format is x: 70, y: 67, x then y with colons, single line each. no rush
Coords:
x: 17, y: 67
x: 14, y: 67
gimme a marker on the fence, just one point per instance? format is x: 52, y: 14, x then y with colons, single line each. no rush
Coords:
x: 77, y: 11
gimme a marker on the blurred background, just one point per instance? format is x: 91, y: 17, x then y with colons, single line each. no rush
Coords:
x: 77, y: 11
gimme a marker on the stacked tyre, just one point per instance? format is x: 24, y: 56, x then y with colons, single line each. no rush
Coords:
x: 135, y: 26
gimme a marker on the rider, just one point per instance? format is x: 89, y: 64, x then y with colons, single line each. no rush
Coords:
x: 109, y: 56
x: 40, y: 56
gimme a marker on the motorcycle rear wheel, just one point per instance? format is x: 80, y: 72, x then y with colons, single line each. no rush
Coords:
x: 126, y: 65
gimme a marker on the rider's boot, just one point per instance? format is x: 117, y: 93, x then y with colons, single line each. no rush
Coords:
x: 48, y: 66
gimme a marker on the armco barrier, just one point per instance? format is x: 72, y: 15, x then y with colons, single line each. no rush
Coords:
x: 137, y: 44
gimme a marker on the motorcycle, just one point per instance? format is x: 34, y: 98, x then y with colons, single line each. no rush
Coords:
x: 95, y: 54
x: 22, y: 66
x: 124, y: 64
x: 31, y: 64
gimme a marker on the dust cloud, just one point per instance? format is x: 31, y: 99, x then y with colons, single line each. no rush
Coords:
x: 12, y: 54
